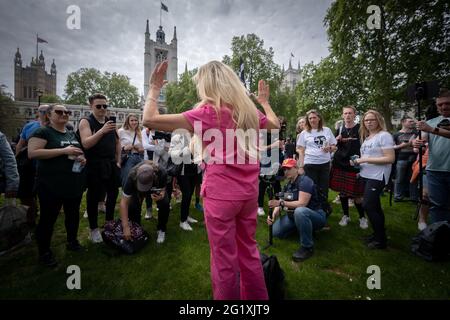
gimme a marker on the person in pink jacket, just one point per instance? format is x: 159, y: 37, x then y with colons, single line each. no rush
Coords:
x: 230, y: 185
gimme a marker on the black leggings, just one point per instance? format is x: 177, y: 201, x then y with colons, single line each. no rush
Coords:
x: 50, y: 206
x: 320, y: 174
x: 372, y: 206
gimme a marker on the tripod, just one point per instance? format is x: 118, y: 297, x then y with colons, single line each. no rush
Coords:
x: 269, y: 180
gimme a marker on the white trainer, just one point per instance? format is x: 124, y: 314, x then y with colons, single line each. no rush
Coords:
x: 191, y: 220
x: 421, y: 226
x: 185, y: 226
x: 148, y: 214
x: 161, y: 236
x: 95, y: 236
x: 261, y: 212
x: 344, y: 220
x: 85, y: 215
x: 363, y: 223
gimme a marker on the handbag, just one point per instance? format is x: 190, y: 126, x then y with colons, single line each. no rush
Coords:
x: 124, y: 155
x: 112, y: 235
x: 173, y: 169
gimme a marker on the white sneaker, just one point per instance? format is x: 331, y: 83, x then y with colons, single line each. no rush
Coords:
x: 261, y: 212
x: 148, y: 214
x: 185, y: 226
x: 344, y: 220
x: 191, y: 220
x: 161, y: 236
x: 363, y: 223
x: 421, y: 225
x: 95, y: 236
x: 85, y: 215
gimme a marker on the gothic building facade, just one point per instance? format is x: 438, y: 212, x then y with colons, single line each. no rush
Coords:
x: 291, y: 77
x: 29, y: 80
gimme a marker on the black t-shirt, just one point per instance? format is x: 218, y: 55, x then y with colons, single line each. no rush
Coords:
x: 304, y: 184
x: 105, y: 148
x: 406, y: 153
x: 348, y: 146
x: 130, y: 188
x: 56, y: 173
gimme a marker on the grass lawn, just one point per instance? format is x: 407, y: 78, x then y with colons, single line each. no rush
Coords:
x: 179, y: 268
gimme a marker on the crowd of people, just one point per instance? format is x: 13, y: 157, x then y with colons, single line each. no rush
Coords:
x: 180, y: 154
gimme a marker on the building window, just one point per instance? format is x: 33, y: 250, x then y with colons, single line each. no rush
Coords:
x: 24, y: 92
x: 86, y: 113
x: 29, y: 92
x: 120, y: 116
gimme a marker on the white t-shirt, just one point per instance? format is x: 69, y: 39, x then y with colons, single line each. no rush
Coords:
x: 313, y: 142
x: 373, y: 148
x: 126, y: 138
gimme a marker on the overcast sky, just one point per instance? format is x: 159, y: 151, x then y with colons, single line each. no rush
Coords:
x: 111, y: 37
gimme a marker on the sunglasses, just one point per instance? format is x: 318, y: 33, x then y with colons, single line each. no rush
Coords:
x: 99, y: 106
x: 61, y: 112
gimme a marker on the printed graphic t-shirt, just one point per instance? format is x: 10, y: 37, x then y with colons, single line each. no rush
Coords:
x: 313, y: 142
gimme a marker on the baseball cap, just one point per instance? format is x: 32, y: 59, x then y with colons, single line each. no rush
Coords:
x: 145, y: 177
x: 289, y: 163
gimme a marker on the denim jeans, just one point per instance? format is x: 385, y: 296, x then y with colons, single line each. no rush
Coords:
x: 132, y: 160
x: 438, y: 190
x: 304, y: 220
x: 403, y: 187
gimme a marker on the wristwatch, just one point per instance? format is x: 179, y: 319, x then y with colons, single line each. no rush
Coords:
x: 436, y: 130
x: 281, y: 203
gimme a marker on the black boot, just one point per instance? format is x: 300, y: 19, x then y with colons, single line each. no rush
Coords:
x: 47, y: 259
x: 302, y: 254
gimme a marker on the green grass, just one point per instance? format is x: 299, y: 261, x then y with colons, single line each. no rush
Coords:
x: 179, y: 268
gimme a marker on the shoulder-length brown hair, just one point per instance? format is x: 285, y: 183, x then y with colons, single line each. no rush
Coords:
x: 363, y: 132
x: 308, y: 125
x: 127, y: 126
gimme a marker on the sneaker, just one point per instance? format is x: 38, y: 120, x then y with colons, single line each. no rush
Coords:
x: 363, y: 223
x: 48, y: 260
x: 421, y: 226
x: 95, y: 236
x: 85, y: 215
x: 191, y: 220
x: 376, y: 245
x: 185, y: 226
x: 302, y: 254
x: 74, y: 246
x: 344, y: 220
x: 148, y: 214
x: 261, y: 212
x: 101, y: 207
x: 351, y: 203
x: 161, y: 236
x: 199, y: 207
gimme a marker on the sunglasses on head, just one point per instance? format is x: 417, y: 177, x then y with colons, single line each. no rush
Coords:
x: 61, y: 112
x: 99, y: 106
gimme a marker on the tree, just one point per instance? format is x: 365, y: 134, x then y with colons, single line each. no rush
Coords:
x: 86, y: 81
x: 182, y: 95
x: 50, y: 98
x: 410, y: 45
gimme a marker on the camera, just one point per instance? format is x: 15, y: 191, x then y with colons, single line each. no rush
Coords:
x: 445, y: 123
x: 156, y: 191
x: 160, y: 135
x: 287, y: 196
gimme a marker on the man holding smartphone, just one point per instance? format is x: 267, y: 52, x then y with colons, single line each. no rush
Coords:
x: 145, y: 179
x: 100, y: 141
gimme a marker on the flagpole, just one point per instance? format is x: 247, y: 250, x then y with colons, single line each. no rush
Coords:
x: 160, y: 13
x: 37, y: 43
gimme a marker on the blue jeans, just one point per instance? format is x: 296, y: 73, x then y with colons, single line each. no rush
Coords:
x: 132, y: 160
x: 403, y: 187
x: 304, y: 220
x: 438, y: 190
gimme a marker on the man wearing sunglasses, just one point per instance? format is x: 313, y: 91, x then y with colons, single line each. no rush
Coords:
x: 100, y: 140
x: 304, y: 213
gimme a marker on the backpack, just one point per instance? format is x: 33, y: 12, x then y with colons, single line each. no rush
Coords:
x: 273, y: 276
x: 113, y: 236
x: 433, y: 243
x: 14, y: 229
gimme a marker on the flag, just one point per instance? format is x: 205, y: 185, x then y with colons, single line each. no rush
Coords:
x: 292, y: 55
x: 241, y: 71
x: 164, y: 7
x: 40, y: 40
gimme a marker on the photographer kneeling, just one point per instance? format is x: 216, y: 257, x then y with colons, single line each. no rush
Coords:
x: 146, y: 178
x: 304, y: 212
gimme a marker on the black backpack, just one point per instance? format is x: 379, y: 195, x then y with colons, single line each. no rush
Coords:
x: 274, y: 277
x: 433, y: 243
x: 113, y: 236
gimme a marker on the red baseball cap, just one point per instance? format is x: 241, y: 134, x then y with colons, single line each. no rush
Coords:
x: 289, y: 163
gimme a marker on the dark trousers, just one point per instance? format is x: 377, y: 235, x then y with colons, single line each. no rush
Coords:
x: 50, y: 206
x: 97, y: 186
x: 320, y: 174
x: 134, y: 211
x: 372, y: 206
x: 262, y: 190
x: 187, y: 186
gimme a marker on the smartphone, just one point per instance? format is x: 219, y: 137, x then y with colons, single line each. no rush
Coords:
x: 113, y: 119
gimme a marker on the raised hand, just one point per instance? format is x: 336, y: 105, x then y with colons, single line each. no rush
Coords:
x: 157, y: 77
x: 263, y: 92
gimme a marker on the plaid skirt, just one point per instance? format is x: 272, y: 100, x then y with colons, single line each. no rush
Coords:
x: 347, y: 183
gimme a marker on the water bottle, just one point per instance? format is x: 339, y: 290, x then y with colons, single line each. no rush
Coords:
x: 77, y: 166
x: 353, y: 158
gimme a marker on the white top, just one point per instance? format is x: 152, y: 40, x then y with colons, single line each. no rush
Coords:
x: 313, y: 142
x: 126, y: 138
x: 373, y: 148
x: 147, y: 142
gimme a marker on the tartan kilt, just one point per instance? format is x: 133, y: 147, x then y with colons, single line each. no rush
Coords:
x: 346, y: 182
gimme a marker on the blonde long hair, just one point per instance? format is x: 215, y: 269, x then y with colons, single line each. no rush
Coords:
x: 218, y: 85
x: 363, y: 132
x: 127, y: 126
